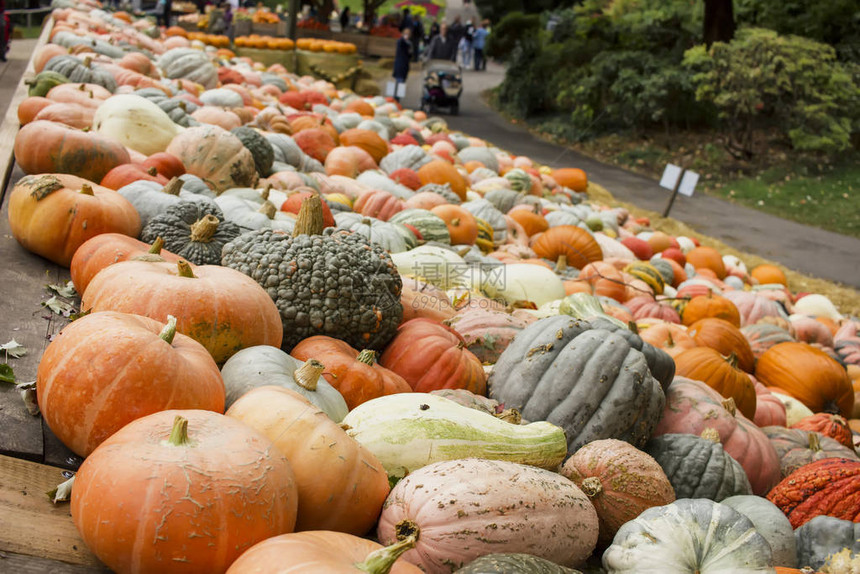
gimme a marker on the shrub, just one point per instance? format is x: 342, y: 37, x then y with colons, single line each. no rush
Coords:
x: 513, y: 28
x: 791, y: 83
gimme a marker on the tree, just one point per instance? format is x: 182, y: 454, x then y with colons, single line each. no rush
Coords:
x: 719, y: 21
x: 370, y: 8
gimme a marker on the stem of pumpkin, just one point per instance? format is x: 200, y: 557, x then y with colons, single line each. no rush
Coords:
x: 733, y: 360
x: 310, y: 218
x: 268, y: 209
x: 381, y: 561
x: 152, y: 171
x: 814, y: 441
x: 172, y: 187
x: 711, y: 434
x: 308, y: 375
x: 185, y: 269
x: 204, y: 229
x: 729, y: 405
x: 512, y: 416
x: 591, y: 486
x: 179, y: 432
x: 87, y: 189
x: 169, y: 330
x: 367, y: 356
x: 265, y: 193
x: 156, y: 247
x: 561, y: 264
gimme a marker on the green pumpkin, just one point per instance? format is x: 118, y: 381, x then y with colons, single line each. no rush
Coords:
x: 189, y: 64
x: 195, y: 231
x: 177, y: 109
x: 513, y: 564
x: 429, y: 225
x: 81, y: 71
x: 44, y: 81
x: 259, y: 147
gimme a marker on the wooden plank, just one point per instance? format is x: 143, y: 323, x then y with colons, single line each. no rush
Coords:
x: 30, y: 523
x: 9, y: 128
x: 22, y: 564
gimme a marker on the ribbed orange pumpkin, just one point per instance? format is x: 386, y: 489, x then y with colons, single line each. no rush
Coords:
x: 350, y: 498
x: 605, y: 280
x: 834, y: 426
x: 671, y: 337
x: 54, y: 214
x: 768, y: 274
x: 432, y: 356
x: 107, y: 369
x: 710, y: 306
x: 707, y: 258
x: 356, y: 375
x: 721, y: 374
x: 809, y: 375
x: 578, y: 245
x: 571, y: 177
x: 316, y: 142
x: 620, y: 480
x: 532, y: 222
x: 379, y: 204
x: 461, y: 224
x: 828, y: 487
x: 726, y: 338
x: 441, y: 172
x: 198, y: 487
x: 368, y: 140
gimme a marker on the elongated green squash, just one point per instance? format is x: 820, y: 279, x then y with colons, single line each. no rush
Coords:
x: 407, y: 431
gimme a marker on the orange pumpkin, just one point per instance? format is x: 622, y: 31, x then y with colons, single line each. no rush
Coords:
x: 707, y: 258
x: 767, y: 274
x: 350, y: 498
x: 724, y: 337
x: 671, y: 337
x: 721, y: 374
x: 578, y: 245
x: 833, y: 426
x: 30, y: 107
x: 321, y: 551
x: 368, y: 140
x: 431, y: 356
x: 461, y: 224
x: 572, y: 178
x: 605, y: 280
x: 809, y: 375
x: 221, y: 308
x: 357, y: 376
x: 198, y: 487
x: 107, y: 369
x: 532, y: 222
x: 54, y: 214
x: 441, y: 172
x: 710, y: 306
x: 48, y: 147
x: 315, y: 142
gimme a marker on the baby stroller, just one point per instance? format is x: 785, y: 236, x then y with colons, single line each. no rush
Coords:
x: 443, y: 84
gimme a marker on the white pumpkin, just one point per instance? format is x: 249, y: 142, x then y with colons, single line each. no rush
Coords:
x: 771, y: 523
x: 136, y: 123
x: 794, y: 409
x: 522, y: 282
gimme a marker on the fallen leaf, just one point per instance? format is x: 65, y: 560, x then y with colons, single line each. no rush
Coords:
x: 59, y: 307
x: 67, y: 290
x: 7, y: 375
x: 14, y: 349
x: 62, y: 492
x: 28, y: 394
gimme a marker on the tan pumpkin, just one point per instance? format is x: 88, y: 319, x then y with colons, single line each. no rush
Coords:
x: 216, y: 156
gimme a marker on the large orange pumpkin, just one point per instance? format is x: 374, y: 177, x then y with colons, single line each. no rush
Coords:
x: 432, y: 356
x: 221, y: 308
x: 571, y: 177
x: 721, y: 374
x: 356, y: 375
x: 54, y: 214
x: 48, y: 147
x: 348, y: 495
x: 107, y: 369
x: 368, y: 140
x: 441, y: 172
x: 767, y: 274
x: 532, y: 222
x: 315, y: 142
x: 578, y: 245
x: 461, y: 224
x: 725, y: 338
x: 182, y: 491
x: 809, y: 375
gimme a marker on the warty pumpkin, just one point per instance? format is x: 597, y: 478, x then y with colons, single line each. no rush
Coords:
x: 182, y: 491
x: 349, y: 498
x: 43, y: 147
x: 52, y: 215
x: 195, y: 230
x: 220, y: 308
x: 828, y: 487
x: 809, y: 375
x: 107, y: 369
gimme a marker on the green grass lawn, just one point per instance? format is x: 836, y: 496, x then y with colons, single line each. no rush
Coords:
x: 829, y: 198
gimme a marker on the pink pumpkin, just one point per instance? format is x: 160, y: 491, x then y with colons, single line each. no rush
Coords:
x: 693, y: 406
x: 487, y: 333
x: 753, y: 308
x: 379, y: 204
x: 808, y: 330
x: 425, y: 200
x: 769, y: 410
x: 644, y: 307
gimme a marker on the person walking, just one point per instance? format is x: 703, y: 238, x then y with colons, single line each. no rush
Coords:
x: 441, y: 47
x: 479, y: 42
x: 465, y: 45
x: 401, y: 61
x: 417, y: 36
x: 344, y: 19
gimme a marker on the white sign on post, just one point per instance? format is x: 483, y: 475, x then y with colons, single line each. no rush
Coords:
x: 670, y: 176
x: 688, y: 183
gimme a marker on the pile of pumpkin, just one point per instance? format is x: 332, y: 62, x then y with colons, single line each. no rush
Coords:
x: 314, y: 317
x: 329, y: 46
x: 263, y: 42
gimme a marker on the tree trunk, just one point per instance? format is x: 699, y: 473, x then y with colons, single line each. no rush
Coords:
x: 719, y: 21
